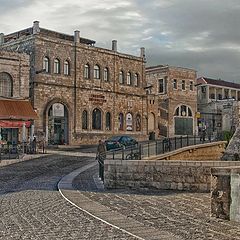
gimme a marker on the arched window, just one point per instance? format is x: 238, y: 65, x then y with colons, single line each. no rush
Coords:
x: 129, y: 122
x: 138, y: 122
x: 106, y: 74
x: 6, y: 84
x: 96, y: 73
x: 84, y: 119
x: 128, y: 78
x: 183, y: 111
x: 108, y: 121
x: 120, y: 118
x: 86, y: 71
x: 46, y: 64
x: 121, y: 77
x: 56, y: 68
x: 136, y: 80
x: 96, y: 119
x: 66, y: 69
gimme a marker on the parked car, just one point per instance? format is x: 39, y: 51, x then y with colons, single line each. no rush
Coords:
x: 116, y: 142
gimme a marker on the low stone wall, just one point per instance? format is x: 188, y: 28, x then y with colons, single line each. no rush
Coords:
x: 209, y: 151
x: 174, y: 175
x: 225, y: 194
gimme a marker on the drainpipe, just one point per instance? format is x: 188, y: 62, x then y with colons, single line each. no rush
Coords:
x: 76, y: 41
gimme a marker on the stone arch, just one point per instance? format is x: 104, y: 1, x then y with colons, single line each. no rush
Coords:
x: 151, y: 122
x: 60, y: 125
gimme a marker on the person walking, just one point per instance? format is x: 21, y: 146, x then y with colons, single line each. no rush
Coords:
x: 101, y: 156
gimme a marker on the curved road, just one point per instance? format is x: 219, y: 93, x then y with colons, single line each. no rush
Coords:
x: 32, y: 208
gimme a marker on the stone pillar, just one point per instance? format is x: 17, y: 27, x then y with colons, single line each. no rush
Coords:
x: 142, y: 52
x: 221, y: 193
x: 1, y: 38
x: 36, y: 28
x: 215, y: 93
x: 77, y: 36
x: 114, y: 45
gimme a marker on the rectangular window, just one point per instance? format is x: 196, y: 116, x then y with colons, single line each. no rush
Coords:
x: 191, y: 85
x: 174, y: 83
x: 183, y: 85
x: 161, y: 87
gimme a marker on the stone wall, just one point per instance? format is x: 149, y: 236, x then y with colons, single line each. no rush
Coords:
x: 171, y: 175
x: 17, y: 66
x: 225, y: 195
x: 202, y: 152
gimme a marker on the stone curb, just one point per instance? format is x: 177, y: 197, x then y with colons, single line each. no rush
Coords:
x: 104, y: 214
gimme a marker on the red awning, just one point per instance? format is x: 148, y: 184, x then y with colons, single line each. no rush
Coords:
x: 14, y: 109
x: 14, y: 124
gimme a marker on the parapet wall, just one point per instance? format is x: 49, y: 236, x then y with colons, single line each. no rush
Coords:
x: 209, y: 151
x: 166, y: 174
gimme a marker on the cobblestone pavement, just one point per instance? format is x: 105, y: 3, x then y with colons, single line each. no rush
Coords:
x: 32, y: 208
x: 186, y: 215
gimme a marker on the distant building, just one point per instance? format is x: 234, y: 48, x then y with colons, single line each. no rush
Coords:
x: 16, y: 111
x: 173, y: 93
x: 218, y: 104
x: 81, y: 93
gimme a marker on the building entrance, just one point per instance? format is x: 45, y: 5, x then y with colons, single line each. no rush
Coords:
x: 57, y: 124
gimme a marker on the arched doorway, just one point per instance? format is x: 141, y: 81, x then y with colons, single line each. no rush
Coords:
x: 151, y: 122
x: 183, y: 120
x: 57, y: 127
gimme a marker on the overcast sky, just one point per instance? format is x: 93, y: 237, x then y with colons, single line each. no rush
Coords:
x: 199, y: 34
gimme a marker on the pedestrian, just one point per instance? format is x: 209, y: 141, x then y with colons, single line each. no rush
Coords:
x: 34, y: 144
x: 101, y: 156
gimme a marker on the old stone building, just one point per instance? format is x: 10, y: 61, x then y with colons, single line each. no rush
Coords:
x: 172, y: 98
x: 218, y: 104
x: 81, y: 93
x: 15, y: 108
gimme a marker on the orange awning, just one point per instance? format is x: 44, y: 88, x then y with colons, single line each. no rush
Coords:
x: 14, y: 109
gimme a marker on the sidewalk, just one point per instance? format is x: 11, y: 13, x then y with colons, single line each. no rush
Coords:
x: 26, y: 157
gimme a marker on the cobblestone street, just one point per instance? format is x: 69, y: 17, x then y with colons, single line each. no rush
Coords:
x: 32, y: 208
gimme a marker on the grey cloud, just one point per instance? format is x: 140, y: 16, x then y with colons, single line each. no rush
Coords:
x: 202, y: 34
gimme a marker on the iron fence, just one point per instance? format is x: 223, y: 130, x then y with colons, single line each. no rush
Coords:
x: 157, y: 147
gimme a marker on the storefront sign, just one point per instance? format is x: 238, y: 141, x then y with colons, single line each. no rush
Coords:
x: 58, y: 110
x: 98, y: 99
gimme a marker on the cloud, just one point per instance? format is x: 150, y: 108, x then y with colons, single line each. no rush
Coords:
x: 197, y: 34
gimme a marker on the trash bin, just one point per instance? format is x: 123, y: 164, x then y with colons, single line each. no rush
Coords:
x: 152, y: 136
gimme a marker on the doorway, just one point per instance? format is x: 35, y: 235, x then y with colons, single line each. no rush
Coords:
x: 57, y: 124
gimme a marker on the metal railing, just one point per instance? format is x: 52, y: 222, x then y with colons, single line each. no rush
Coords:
x: 16, y: 151
x: 157, y: 147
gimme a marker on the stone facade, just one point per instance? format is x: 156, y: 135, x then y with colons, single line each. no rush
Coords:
x: 17, y: 67
x: 85, y: 96
x: 175, y: 98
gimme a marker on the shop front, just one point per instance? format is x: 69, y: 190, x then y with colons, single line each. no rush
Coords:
x: 16, y: 120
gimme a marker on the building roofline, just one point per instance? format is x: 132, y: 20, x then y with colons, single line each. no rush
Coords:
x: 167, y: 66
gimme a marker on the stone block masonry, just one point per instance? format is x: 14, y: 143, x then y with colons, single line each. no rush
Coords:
x: 172, y: 175
x: 225, y: 196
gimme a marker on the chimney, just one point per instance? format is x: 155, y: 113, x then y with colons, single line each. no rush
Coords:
x: 36, y: 28
x: 114, y: 45
x: 1, y: 38
x: 77, y: 36
x: 142, y: 52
